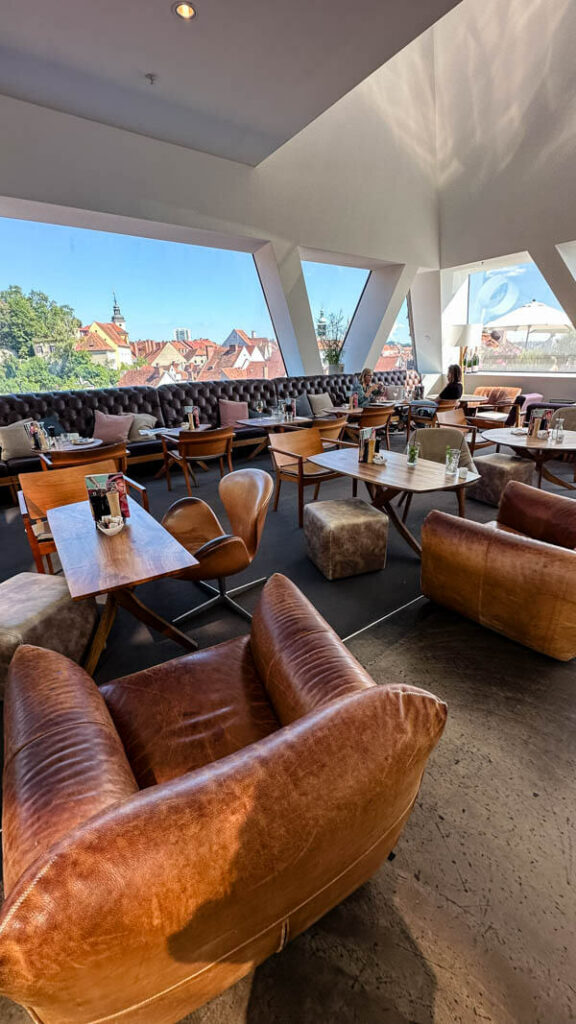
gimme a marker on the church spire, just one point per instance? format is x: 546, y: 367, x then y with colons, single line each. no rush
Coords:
x: 117, y: 317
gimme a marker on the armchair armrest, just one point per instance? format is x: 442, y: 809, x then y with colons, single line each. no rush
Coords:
x: 180, y: 890
x: 133, y: 485
x: 485, y: 574
x: 539, y: 514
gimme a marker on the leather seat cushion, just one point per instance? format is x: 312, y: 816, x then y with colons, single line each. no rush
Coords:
x: 145, y: 447
x: 243, y: 433
x: 27, y: 464
x: 184, y: 714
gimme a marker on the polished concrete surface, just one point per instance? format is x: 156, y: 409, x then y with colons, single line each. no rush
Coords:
x: 475, y: 919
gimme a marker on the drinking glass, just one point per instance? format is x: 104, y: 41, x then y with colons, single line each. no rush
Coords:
x: 452, y: 460
x: 412, y: 453
x: 259, y: 406
x: 558, y: 431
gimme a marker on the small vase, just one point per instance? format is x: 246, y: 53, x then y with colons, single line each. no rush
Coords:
x: 334, y: 368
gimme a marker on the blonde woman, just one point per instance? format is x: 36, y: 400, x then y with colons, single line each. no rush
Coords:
x: 365, y: 388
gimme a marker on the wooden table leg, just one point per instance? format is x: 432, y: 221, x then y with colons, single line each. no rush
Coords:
x: 102, y: 633
x: 128, y: 600
x: 382, y: 500
x: 554, y: 479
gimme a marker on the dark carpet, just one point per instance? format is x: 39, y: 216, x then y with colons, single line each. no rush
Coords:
x: 474, y: 921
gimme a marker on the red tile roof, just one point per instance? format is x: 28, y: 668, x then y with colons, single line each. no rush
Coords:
x: 91, y: 342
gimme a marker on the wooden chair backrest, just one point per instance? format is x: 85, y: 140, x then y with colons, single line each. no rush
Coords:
x: 43, y: 491
x: 105, y: 452
x: 444, y: 404
x: 332, y: 430
x: 295, y: 442
x: 376, y: 417
x: 199, y: 444
x: 451, y: 418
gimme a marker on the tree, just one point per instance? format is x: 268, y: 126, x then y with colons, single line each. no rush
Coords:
x: 26, y: 320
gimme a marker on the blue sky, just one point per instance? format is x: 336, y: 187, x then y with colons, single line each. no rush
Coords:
x: 160, y: 285
x: 334, y: 288
x: 494, y: 293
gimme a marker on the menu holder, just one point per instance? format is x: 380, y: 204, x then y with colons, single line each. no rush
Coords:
x: 108, y: 497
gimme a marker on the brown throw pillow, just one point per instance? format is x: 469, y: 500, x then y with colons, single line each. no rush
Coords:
x: 232, y: 411
x: 112, y: 429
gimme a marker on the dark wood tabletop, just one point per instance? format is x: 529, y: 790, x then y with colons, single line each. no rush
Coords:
x: 95, y: 564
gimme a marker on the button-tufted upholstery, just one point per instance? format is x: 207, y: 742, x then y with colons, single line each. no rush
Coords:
x: 75, y: 409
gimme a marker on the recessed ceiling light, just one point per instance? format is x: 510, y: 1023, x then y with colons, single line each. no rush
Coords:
x: 184, y: 10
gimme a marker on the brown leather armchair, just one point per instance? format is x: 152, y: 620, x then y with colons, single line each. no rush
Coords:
x: 516, y: 576
x: 245, y: 495
x: 165, y: 834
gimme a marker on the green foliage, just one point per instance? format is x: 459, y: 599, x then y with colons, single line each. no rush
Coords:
x: 26, y: 320
x: 64, y: 368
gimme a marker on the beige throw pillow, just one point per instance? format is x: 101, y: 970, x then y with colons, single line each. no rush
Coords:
x: 321, y: 403
x: 15, y: 440
x: 142, y: 420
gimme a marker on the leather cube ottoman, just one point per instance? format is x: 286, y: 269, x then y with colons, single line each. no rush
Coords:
x: 37, y: 609
x: 345, y: 538
x: 495, y: 472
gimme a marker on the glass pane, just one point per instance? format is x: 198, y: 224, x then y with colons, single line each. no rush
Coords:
x: 334, y: 293
x: 524, y: 327
x: 82, y: 308
x: 399, y: 353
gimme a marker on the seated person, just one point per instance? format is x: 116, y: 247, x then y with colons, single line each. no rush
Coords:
x: 365, y: 388
x: 453, y: 388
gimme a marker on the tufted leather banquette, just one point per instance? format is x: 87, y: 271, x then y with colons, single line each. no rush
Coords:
x: 75, y: 409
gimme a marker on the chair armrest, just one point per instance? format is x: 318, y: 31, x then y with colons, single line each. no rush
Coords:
x: 538, y: 514
x: 213, y: 545
x: 186, y: 886
x: 485, y: 574
x: 283, y: 451
x: 133, y: 485
x: 345, y: 444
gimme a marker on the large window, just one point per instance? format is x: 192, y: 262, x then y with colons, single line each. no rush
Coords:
x: 524, y: 328
x: 82, y: 308
x: 334, y: 293
x: 399, y: 352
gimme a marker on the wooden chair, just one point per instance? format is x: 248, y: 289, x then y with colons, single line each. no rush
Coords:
x: 290, y: 452
x: 42, y: 491
x: 116, y: 453
x: 456, y: 418
x: 198, y: 446
x: 332, y: 430
x: 378, y: 418
x: 418, y: 419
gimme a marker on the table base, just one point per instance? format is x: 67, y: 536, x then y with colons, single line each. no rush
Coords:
x: 382, y: 498
x: 127, y: 599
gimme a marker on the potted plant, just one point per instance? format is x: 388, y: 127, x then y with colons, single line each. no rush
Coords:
x: 333, y: 356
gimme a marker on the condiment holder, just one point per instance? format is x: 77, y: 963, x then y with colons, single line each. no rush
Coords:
x: 110, y: 525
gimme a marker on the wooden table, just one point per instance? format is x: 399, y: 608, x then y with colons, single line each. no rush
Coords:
x: 273, y: 423
x: 465, y: 399
x: 395, y: 478
x: 94, y: 564
x: 539, y: 449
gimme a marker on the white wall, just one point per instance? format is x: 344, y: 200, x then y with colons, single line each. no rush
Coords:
x: 505, y: 82
x: 359, y: 180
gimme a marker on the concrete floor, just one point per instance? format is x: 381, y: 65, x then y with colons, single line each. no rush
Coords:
x: 475, y: 919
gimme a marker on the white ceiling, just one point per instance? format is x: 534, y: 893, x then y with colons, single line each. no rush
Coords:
x: 238, y: 81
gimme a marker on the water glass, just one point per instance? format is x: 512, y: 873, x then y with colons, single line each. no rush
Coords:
x: 412, y: 453
x: 452, y: 460
x: 259, y: 406
x: 558, y: 431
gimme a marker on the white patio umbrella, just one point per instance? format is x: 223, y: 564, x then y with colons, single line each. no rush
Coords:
x: 533, y: 316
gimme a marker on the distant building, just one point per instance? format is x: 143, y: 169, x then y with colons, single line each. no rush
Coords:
x: 107, y: 343
x: 182, y: 334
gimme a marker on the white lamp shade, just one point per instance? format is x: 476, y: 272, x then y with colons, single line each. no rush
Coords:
x: 465, y: 335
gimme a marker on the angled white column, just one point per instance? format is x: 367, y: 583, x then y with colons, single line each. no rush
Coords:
x: 376, y: 313
x: 426, y: 303
x: 559, y: 273
x: 280, y: 272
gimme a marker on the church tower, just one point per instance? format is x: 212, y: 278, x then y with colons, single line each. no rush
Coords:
x: 117, y: 317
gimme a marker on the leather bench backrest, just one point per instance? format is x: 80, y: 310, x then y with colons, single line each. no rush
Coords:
x: 75, y: 409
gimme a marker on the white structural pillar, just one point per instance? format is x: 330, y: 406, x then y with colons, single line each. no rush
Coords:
x: 376, y: 313
x: 558, y: 270
x: 426, y: 303
x: 280, y: 271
